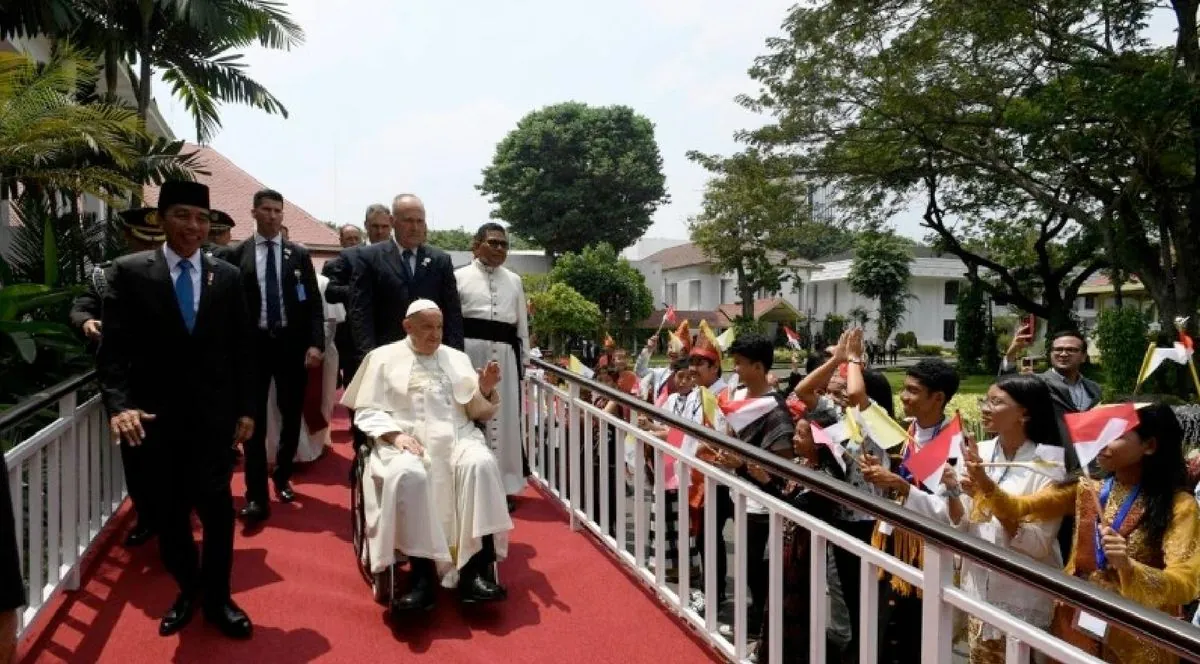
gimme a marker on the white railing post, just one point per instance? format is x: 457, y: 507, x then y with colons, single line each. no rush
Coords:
x: 576, y: 463
x: 639, y: 491
x: 818, y: 603
x: 937, y: 617
x: 867, y: 629
x: 775, y: 593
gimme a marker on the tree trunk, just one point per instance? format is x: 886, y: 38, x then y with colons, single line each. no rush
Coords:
x: 747, y: 297
x: 111, y: 63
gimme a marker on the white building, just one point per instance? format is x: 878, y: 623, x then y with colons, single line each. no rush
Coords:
x: 683, y: 277
x: 932, y: 306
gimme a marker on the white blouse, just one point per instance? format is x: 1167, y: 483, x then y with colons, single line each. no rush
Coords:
x: 1038, y: 540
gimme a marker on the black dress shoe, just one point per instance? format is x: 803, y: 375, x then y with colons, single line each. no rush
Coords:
x: 255, y: 512
x: 512, y: 504
x: 476, y: 589
x: 284, y: 492
x: 231, y: 620
x: 177, y: 616
x: 139, y: 535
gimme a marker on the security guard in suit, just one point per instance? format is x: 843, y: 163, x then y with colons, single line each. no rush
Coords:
x: 142, y: 232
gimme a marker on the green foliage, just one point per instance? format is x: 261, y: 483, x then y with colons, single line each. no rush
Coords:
x: 601, y: 276
x: 58, y: 249
x: 906, y: 340
x: 832, y: 328
x: 881, y: 271
x: 560, y: 311
x: 572, y: 175
x: 1122, y: 338
x: 35, y: 349
x: 756, y: 198
x: 929, y: 350
x: 743, y: 325
x: 971, y: 337
x: 1031, y: 134
x: 460, y: 239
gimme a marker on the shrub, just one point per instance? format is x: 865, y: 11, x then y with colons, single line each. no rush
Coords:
x: 932, y: 350
x: 906, y: 340
x: 1121, y: 336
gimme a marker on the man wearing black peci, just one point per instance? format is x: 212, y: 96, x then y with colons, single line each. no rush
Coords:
x: 390, y: 275
x: 174, y: 375
x: 281, y: 292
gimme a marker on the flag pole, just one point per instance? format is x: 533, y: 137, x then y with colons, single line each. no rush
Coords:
x: 1149, y: 357
x: 1195, y: 378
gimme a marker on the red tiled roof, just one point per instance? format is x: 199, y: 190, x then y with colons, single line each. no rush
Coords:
x: 714, y: 318
x: 232, y: 189
x: 761, y: 307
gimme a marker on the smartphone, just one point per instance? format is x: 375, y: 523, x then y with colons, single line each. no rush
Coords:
x: 1026, y: 365
x: 1030, y: 324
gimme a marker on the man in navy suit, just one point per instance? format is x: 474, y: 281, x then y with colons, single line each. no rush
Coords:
x: 281, y: 292
x: 176, y: 377
x: 390, y: 275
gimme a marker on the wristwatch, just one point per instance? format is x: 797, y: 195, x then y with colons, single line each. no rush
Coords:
x: 953, y: 491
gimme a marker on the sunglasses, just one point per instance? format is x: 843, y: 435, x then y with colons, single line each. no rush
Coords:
x: 497, y: 244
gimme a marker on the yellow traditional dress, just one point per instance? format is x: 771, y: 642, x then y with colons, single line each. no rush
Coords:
x: 1163, y: 577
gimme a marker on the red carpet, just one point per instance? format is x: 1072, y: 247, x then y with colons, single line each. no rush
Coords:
x: 568, y: 601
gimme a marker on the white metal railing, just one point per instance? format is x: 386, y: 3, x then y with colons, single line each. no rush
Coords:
x: 561, y: 447
x: 66, y: 482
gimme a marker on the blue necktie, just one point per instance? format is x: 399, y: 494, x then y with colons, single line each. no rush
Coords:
x: 406, y: 258
x: 186, y: 295
x: 274, y: 317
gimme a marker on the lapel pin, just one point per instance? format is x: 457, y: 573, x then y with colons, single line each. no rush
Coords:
x: 210, y: 275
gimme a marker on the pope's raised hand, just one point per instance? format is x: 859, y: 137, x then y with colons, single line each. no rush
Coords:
x: 489, y: 376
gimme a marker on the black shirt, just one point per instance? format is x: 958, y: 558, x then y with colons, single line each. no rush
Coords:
x: 12, y: 584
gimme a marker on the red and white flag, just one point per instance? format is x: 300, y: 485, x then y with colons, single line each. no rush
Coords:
x: 926, y: 464
x: 1093, y: 430
x: 669, y: 317
x: 739, y: 413
x: 793, y: 338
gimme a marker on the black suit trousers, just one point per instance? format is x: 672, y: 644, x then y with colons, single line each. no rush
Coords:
x: 138, y: 478
x: 282, y: 359
x: 186, y: 481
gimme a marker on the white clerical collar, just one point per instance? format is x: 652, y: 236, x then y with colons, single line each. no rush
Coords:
x: 174, y: 259
x: 483, y: 266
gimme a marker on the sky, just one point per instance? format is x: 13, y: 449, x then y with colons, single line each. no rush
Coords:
x: 388, y: 97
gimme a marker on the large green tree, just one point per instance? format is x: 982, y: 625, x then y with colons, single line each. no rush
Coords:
x: 756, y: 220
x: 572, y: 175
x: 881, y: 270
x: 460, y: 239
x: 601, y: 276
x: 1031, y: 133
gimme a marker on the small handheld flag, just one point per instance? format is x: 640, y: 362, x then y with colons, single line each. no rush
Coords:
x: 1093, y: 430
x: 926, y: 464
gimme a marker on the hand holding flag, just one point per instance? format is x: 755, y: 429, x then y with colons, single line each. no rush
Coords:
x: 926, y: 464
x: 792, y: 337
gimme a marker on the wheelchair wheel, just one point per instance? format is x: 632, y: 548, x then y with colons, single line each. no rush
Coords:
x: 358, y: 525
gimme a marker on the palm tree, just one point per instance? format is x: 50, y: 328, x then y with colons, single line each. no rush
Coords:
x: 192, y: 43
x: 44, y: 128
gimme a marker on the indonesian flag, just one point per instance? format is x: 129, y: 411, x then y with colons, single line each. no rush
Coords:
x: 1180, y: 353
x: 579, y: 368
x: 671, y: 480
x: 740, y: 413
x: 832, y: 438
x: 793, y: 338
x: 669, y: 317
x: 1093, y: 430
x: 926, y: 464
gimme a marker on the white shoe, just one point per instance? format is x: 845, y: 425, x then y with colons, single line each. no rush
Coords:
x: 696, y: 601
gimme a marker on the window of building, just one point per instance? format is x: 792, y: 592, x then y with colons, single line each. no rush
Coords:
x: 728, y: 292
x: 694, y: 294
x: 948, y: 329
x: 835, y: 290
x: 672, y: 295
x: 951, y: 293
x: 1089, y: 302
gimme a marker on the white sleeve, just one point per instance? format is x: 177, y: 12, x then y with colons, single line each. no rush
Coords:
x: 930, y: 505
x: 642, y: 364
x: 376, y: 423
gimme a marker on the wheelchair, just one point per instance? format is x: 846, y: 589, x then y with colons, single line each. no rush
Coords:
x: 383, y: 593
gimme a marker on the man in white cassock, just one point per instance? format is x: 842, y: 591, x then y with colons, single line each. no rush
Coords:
x: 431, y: 488
x: 496, y: 329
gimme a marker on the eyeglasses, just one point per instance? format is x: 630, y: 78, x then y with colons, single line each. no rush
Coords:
x: 1066, y: 351
x: 990, y: 404
x: 497, y: 244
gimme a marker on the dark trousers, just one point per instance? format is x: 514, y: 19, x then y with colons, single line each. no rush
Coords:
x: 850, y: 577
x: 281, y: 359
x: 758, y: 571
x: 347, y: 354
x: 899, y: 625
x: 724, y: 513
x: 196, y: 571
x: 138, y: 476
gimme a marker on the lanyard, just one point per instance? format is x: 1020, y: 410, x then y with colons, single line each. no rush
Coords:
x: 1118, y: 521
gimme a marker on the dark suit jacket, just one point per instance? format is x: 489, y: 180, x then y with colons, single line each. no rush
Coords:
x: 340, y: 272
x: 1060, y: 393
x: 381, y: 291
x: 198, y: 384
x: 305, y: 320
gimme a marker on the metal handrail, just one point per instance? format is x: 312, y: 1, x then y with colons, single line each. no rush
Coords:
x: 44, y: 399
x: 1175, y: 635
